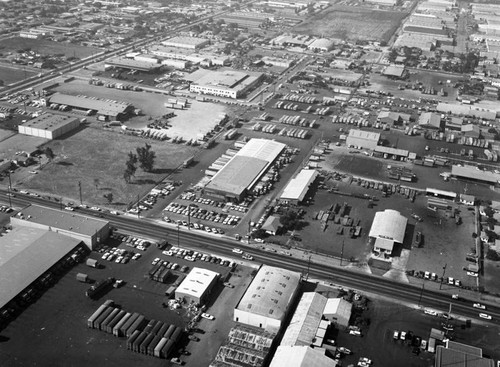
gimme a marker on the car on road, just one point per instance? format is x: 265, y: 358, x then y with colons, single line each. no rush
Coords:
x: 478, y: 305
x: 472, y: 274
x: 95, y: 208
x: 259, y: 240
x: 228, y: 285
x: 207, y: 316
x: 454, y: 296
x: 247, y: 257
x: 485, y: 316
x: 69, y: 208
x: 430, y: 312
x: 237, y: 251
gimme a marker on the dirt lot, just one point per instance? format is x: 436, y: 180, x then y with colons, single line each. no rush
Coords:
x: 63, y: 310
x: 46, y: 47
x: 352, y: 23
x: 96, y: 158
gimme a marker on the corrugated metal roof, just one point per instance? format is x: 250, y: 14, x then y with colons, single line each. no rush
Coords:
x: 474, y: 173
x: 25, y: 254
x: 111, y: 108
x: 301, y: 356
x: 270, y: 292
x: 305, y: 321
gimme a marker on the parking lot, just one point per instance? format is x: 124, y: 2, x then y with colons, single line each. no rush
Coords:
x: 62, y: 311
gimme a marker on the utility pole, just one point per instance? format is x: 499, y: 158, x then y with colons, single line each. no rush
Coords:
x: 342, y: 253
x: 80, y: 190
x: 9, y: 188
x: 442, y: 278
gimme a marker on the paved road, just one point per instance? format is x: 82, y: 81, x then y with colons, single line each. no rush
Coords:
x: 316, y: 266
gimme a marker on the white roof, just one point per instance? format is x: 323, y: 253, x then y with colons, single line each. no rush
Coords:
x: 338, y: 306
x: 297, y: 187
x: 367, y: 135
x: 390, y: 225
x: 301, y: 356
x: 270, y: 292
x: 306, y: 320
x: 197, y: 282
x: 264, y: 149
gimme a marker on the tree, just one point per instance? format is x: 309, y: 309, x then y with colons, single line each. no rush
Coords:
x: 109, y: 197
x: 489, y: 211
x: 49, y: 153
x: 289, y: 220
x: 130, y: 168
x: 492, y: 255
x: 146, y: 157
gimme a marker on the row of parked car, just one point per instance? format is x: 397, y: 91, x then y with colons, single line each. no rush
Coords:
x: 191, y: 255
x: 243, y: 207
x: 196, y: 212
x: 120, y: 256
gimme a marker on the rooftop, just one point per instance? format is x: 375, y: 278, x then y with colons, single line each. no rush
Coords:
x: 197, y: 281
x: 300, y: 356
x: 473, y: 172
x: 305, y: 321
x: 64, y: 220
x: 297, y: 188
x: 270, y: 292
x: 25, y: 254
x: 390, y: 225
x: 192, y: 41
x: 461, y: 355
x: 49, y: 121
x: 367, y: 135
x: 105, y: 107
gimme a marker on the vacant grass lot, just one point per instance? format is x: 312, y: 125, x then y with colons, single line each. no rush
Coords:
x: 11, y: 75
x: 96, y: 158
x: 46, y: 47
x: 350, y: 23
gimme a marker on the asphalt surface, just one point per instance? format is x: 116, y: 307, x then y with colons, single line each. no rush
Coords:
x: 317, y: 267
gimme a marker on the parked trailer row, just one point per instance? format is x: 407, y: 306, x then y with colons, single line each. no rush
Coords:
x: 293, y: 97
x: 154, y: 134
x: 157, y: 345
x: 98, y: 312
x: 294, y: 133
x: 286, y: 106
x: 357, y: 121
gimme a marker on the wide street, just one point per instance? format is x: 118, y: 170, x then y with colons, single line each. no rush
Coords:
x: 316, y: 268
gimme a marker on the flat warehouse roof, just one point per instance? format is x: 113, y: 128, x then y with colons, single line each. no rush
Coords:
x: 473, y: 173
x: 25, y: 254
x: 270, y: 292
x: 86, y: 103
x: 65, y: 220
x: 390, y: 225
x: 367, y: 135
x: 49, y: 121
x: 237, y: 175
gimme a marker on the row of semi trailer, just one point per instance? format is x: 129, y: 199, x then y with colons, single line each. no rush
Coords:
x: 154, y: 338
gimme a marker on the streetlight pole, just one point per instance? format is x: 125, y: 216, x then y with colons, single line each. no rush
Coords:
x: 442, y: 278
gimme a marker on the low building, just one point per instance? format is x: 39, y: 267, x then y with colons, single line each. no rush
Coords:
x: 26, y: 253
x: 321, y: 45
x: 472, y: 173
x: 196, y: 287
x: 388, y: 228
x: 192, y: 43
x: 430, y: 120
x: 107, y: 109
x: 461, y: 355
x: 395, y: 72
x: 272, y: 225
x: 244, y: 170
x: 142, y: 63
x: 268, y: 299
x: 471, y: 131
x: 338, y: 311
x: 91, y: 231
x: 393, y: 118
x: 363, y: 139
x: 304, y: 325
x: 297, y: 188
x: 467, y: 199
x: 223, y: 83
x: 49, y: 126
x: 301, y: 356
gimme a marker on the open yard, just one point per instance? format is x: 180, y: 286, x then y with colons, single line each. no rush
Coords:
x: 352, y: 23
x: 46, y: 47
x: 96, y: 158
x: 12, y: 74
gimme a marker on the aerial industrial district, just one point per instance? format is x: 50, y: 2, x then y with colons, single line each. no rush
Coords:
x: 249, y: 183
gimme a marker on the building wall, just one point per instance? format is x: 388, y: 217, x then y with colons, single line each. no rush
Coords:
x: 90, y: 241
x: 214, y: 91
x: 248, y: 318
x: 197, y: 300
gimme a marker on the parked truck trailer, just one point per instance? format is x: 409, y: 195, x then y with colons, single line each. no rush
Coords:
x: 98, y: 312
x: 117, y: 327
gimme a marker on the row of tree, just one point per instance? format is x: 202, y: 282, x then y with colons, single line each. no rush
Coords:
x: 144, y: 156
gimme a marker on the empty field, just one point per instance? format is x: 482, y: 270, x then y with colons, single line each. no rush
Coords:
x: 96, y: 158
x: 347, y: 23
x: 46, y: 47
